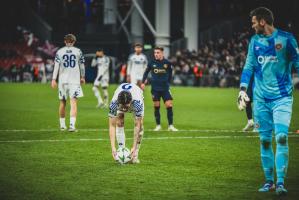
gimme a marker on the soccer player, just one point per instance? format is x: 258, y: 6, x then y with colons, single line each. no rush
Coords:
x: 271, y: 55
x: 69, y: 67
x: 161, y: 71
x: 102, y: 62
x: 127, y: 97
x: 250, y: 123
x: 137, y: 64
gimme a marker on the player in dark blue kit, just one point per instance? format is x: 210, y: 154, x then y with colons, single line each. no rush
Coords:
x: 161, y: 72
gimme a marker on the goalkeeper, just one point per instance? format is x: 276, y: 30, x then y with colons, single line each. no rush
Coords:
x: 271, y: 55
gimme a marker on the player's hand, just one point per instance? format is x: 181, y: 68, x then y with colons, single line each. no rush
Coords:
x: 82, y: 80
x: 142, y: 86
x: 243, y: 99
x: 53, y: 84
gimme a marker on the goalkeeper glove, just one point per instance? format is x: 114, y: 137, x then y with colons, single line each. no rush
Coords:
x: 243, y: 99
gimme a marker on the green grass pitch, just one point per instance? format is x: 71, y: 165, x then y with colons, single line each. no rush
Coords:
x: 208, y: 159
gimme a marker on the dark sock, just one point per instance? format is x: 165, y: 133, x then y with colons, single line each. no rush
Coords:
x: 157, y: 115
x: 170, y: 115
x: 249, y: 111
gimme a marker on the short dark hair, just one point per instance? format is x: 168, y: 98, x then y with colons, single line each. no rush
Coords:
x: 100, y: 49
x: 159, y: 48
x: 263, y: 13
x: 138, y: 45
x: 70, y: 38
x: 124, y: 97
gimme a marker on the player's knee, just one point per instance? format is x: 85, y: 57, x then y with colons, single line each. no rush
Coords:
x: 104, y: 88
x: 94, y: 88
x: 265, y: 142
x: 168, y: 104
x: 281, y: 138
x: 156, y: 104
x: 120, y: 123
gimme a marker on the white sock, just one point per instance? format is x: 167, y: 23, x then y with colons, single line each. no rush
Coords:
x: 97, y: 94
x: 72, y: 122
x: 62, y: 122
x: 120, y: 137
x: 250, y: 121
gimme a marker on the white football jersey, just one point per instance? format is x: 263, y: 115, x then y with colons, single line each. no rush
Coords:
x: 137, y: 65
x: 103, y: 65
x: 137, y: 105
x: 70, y: 61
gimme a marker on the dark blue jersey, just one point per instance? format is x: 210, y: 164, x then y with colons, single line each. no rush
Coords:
x: 161, y: 72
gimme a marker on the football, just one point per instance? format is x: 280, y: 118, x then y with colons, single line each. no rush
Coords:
x: 123, y: 155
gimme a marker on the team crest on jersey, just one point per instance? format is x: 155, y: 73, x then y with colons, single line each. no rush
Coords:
x: 154, y: 65
x: 165, y: 66
x: 278, y: 46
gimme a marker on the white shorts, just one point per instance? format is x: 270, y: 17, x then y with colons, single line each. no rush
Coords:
x: 104, y: 81
x: 69, y: 90
x: 135, y: 79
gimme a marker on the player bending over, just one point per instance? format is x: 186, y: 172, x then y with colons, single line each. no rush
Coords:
x: 271, y: 55
x: 69, y: 67
x: 102, y: 62
x: 127, y: 98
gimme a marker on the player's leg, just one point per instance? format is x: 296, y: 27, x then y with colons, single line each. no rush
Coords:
x: 139, y: 82
x: 62, y: 106
x: 75, y: 92
x: 250, y: 123
x: 120, y: 130
x: 264, y: 125
x: 97, y: 93
x: 105, y: 83
x: 282, y: 112
x: 156, y: 100
x: 167, y: 98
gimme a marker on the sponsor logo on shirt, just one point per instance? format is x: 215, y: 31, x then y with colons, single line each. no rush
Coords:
x: 159, y: 71
x: 267, y: 59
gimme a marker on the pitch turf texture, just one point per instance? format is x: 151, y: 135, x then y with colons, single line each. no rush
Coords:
x: 208, y: 159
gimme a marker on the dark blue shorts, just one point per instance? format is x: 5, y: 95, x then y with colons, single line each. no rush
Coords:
x: 166, y: 95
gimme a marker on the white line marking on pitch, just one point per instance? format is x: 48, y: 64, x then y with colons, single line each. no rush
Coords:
x: 149, y: 138
x: 149, y: 130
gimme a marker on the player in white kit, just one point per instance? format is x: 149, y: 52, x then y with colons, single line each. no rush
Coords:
x: 70, y: 70
x: 102, y: 62
x: 128, y: 97
x: 137, y: 64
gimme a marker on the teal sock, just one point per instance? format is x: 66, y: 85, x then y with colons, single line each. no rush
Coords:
x: 267, y: 157
x: 282, y: 156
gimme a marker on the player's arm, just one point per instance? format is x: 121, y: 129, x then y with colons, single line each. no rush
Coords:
x: 246, y: 76
x: 82, y: 68
x: 144, y: 78
x: 107, y: 63
x: 293, y: 51
x: 170, y: 73
x: 55, y: 72
x: 112, y: 126
x: 137, y: 133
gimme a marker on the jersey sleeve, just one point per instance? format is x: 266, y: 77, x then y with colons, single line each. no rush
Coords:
x: 138, y: 107
x: 57, y: 58
x: 249, y: 66
x: 81, y: 57
x: 113, y: 109
x: 293, y: 52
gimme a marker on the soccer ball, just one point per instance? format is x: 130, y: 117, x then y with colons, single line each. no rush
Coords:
x: 123, y: 155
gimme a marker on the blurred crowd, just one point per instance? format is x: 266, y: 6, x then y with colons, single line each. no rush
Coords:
x: 26, y: 59
x: 217, y: 63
